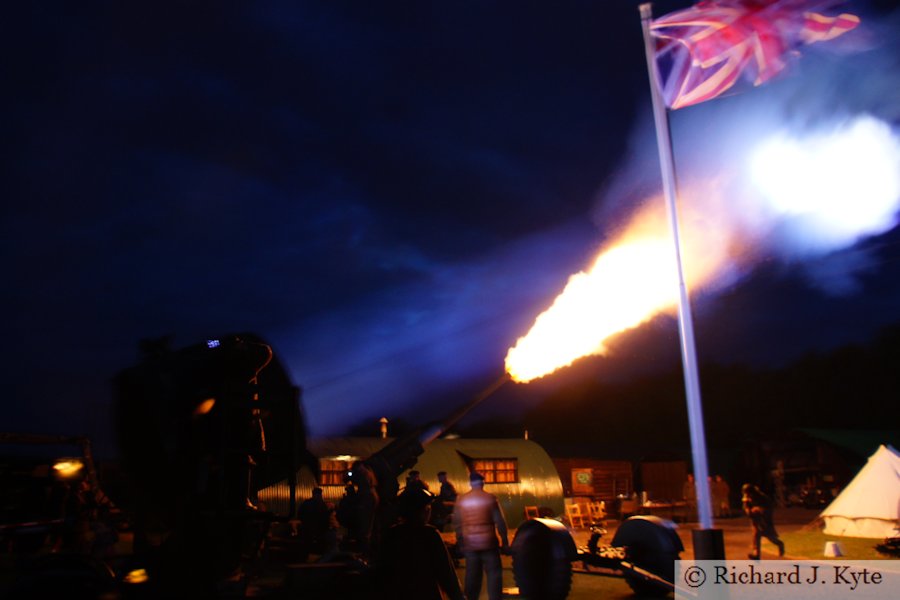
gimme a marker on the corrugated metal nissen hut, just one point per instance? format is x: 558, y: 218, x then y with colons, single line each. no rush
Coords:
x: 518, y: 471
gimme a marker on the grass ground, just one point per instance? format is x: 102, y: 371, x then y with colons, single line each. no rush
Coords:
x: 811, y: 544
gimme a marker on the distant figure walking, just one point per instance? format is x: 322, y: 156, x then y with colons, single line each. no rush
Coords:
x: 478, y: 519
x: 758, y: 506
x: 413, y: 562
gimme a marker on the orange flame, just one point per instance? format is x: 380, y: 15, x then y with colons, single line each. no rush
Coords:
x: 627, y: 285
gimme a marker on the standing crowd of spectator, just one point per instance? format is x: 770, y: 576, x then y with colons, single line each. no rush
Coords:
x: 408, y: 555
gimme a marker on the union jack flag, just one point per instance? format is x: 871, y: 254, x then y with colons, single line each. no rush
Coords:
x: 703, y: 50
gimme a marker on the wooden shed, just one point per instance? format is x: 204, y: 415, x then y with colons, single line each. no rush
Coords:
x: 594, y: 479
x: 663, y: 481
x: 518, y: 471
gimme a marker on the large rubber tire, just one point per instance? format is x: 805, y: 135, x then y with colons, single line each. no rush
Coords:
x: 542, y: 555
x: 651, y: 544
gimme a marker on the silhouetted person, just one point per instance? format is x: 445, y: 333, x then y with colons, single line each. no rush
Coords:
x: 315, y: 525
x: 758, y: 506
x: 442, y: 508
x: 347, y: 514
x: 478, y: 519
x: 414, y: 480
x: 413, y: 562
x: 367, y: 506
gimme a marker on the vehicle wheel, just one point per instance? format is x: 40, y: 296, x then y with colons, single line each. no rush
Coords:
x: 651, y: 544
x: 542, y: 554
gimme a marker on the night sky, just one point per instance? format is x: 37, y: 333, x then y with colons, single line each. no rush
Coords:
x: 389, y: 193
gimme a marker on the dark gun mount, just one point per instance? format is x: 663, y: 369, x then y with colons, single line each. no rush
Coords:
x: 200, y: 431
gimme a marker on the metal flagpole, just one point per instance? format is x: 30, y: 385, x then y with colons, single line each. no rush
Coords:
x: 685, y: 324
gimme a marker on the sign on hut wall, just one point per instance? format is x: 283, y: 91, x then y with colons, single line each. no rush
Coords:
x: 582, y: 481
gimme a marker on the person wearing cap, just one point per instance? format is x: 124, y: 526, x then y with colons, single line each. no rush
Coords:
x: 482, y: 535
x: 413, y: 562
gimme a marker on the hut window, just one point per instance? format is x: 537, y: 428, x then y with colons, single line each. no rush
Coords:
x: 333, y: 471
x: 498, y: 470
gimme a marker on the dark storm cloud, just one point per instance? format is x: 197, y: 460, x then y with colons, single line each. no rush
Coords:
x: 390, y: 193
x: 342, y: 178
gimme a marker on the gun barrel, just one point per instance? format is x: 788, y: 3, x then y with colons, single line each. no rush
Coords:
x: 403, y: 452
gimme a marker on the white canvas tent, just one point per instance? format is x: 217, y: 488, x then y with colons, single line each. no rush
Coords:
x: 869, y: 506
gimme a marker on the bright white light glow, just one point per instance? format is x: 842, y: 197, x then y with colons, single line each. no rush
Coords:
x: 829, y: 189
x: 841, y: 185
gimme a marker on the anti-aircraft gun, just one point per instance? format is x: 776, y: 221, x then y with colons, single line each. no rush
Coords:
x: 203, y: 429
x: 402, y: 453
